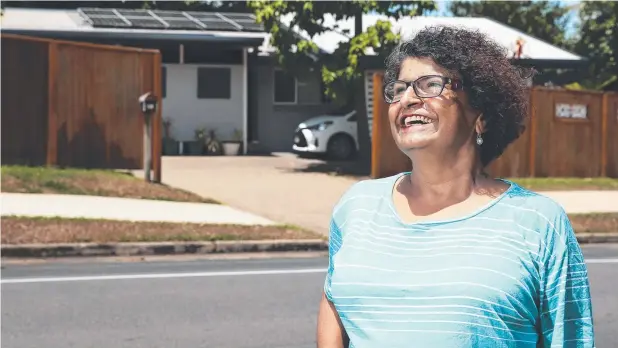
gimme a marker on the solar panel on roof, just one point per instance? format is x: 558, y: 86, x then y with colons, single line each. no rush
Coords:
x: 175, y: 19
x: 146, y: 23
x: 207, y: 15
x: 134, y: 13
x: 97, y: 11
x: 240, y: 16
x: 252, y: 27
x: 109, y: 22
x: 183, y: 25
x: 169, y: 14
x: 217, y: 24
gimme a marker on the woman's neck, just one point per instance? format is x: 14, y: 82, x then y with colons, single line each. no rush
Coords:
x: 451, y: 178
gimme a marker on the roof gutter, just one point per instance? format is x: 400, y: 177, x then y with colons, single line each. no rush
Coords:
x: 236, y: 40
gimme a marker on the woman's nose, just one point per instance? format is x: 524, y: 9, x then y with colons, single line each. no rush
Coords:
x: 409, y: 98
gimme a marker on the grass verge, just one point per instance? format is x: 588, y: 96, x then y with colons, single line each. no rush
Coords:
x: 566, y: 184
x: 594, y: 222
x: 27, y: 230
x: 22, y: 179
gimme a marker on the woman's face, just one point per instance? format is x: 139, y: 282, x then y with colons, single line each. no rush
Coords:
x: 442, y: 122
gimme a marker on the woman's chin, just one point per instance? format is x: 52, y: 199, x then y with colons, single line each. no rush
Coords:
x: 411, y: 139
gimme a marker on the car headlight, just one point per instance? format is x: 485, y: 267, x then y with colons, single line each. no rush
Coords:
x: 322, y: 126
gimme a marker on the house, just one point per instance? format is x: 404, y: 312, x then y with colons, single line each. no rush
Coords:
x: 214, y: 75
x: 220, y: 72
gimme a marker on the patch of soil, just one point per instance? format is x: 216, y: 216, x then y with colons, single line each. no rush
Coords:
x: 25, y: 230
x: 595, y: 222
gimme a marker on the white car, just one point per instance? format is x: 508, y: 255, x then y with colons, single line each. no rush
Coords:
x: 331, y: 135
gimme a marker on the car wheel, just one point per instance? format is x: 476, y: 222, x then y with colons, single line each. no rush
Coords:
x: 341, y: 147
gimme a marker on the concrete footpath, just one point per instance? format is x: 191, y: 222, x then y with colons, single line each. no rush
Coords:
x: 91, y: 207
x: 575, y: 202
x: 128, y: 209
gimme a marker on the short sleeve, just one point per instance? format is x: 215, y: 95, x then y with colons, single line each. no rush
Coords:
x: 566, y: 308
x: 334, y: 243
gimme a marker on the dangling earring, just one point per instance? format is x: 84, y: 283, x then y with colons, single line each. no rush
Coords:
x: 479, y: 140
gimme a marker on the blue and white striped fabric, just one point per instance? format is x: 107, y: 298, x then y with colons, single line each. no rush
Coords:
x: 509, y: 275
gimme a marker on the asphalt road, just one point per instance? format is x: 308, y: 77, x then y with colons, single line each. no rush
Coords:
x: 262, y: 302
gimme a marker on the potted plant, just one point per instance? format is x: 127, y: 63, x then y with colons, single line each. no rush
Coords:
x: 213, y: 145
x: 170, y: 145
x: 196, y: 147
x: 232, y: 147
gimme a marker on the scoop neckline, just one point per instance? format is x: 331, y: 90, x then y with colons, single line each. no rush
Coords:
x: 476, y: 212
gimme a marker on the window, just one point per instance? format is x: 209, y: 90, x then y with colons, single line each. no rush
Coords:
x: 163, y: 82
x: 214, y: 83
x: 285, y: 88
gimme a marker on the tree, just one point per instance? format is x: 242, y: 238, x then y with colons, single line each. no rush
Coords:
x: 598, y: 41
x: 339, y: 69
x: 544, y: 20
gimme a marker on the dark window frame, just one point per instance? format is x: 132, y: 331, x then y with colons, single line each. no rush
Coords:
x: 275, y: 101
x: 223, y: 87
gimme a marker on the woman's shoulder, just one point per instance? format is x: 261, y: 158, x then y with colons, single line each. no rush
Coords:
x: 378, y: 188
x: 528, y: 200
x: 536, y: 210
x: 366, y: 193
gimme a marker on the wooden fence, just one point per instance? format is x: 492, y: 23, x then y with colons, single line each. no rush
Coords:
x: 569, y: 134
x: 72, y: 104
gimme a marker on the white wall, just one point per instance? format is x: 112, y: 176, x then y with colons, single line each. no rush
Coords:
x: 187, y: 112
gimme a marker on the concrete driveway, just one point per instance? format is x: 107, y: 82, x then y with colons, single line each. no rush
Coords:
x: 302, y: 192
x: 281, y: 187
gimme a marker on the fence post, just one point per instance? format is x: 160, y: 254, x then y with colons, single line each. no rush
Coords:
x: 156, y: 120
x: 147, y: 147
x: 604, y: 116
x: 532, y: 142
x: 52, y: 119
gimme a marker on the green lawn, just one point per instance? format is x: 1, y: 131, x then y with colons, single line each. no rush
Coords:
x: 566, y: 184
x: 22, y: 179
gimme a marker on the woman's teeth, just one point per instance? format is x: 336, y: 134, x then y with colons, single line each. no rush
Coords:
x: 412, y: 120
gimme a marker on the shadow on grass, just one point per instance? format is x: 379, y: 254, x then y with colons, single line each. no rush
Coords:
x: 337, y: 168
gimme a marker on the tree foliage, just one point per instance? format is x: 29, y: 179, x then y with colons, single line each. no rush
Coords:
x: 339, y: 69
x: 598, y: 41
x: 545, y: 20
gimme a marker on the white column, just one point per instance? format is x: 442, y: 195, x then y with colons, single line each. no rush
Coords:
x: 245, y: 101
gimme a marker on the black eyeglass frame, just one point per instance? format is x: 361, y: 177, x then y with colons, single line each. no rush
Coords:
x: 454, y: 83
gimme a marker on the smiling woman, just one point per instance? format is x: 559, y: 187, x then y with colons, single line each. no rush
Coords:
x: 444, y: 255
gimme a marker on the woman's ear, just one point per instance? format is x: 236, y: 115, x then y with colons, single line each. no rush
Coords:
x: 480, y: 124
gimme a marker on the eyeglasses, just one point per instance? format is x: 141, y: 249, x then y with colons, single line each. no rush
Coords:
x: 424, y: 87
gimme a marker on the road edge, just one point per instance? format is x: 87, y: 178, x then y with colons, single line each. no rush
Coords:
x: 201, y: 248
x: 159, y: 248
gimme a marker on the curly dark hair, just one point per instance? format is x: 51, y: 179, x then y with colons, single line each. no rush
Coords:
x: 494, y: 86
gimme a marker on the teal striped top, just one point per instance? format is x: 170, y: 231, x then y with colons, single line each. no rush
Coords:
x: 509, y: 275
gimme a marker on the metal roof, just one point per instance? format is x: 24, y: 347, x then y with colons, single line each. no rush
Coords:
x: 138, y: 24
